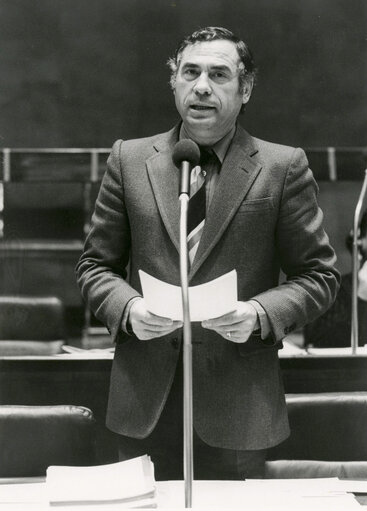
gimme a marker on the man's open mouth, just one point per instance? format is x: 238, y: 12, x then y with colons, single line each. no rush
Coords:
x: 202, y: 107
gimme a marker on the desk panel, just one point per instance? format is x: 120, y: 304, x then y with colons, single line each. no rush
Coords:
x: 85, y: 381
x: 74, y: 380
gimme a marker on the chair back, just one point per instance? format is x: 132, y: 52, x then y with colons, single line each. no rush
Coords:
x: 328, y: 437
x: 34, y: 437
x: 31, y: 325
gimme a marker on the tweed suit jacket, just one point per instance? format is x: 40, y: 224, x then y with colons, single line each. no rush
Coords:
x: 263, y: 217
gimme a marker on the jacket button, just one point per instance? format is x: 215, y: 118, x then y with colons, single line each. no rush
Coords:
x: 175, y: 343
x: 290, y: 328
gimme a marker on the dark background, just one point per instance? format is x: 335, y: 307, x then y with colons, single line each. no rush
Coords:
x: 82, y: 73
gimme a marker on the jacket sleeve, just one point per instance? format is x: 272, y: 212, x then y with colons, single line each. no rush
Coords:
x: 102, y: 268
x: 305, y: 255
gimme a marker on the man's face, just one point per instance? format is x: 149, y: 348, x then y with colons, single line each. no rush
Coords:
x: 207, y: 91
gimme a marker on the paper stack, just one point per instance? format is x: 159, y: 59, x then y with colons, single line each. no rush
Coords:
x: 128, y: 484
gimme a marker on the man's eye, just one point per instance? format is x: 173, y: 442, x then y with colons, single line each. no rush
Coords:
x: 190, y: 73
x: 218, y: 76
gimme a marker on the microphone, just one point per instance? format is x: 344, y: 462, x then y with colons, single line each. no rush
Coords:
x: 186, y: 155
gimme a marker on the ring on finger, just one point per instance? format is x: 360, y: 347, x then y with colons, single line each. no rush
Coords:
x: 228, y: 334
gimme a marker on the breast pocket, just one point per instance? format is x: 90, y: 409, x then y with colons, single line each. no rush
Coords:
x: 256, y: 205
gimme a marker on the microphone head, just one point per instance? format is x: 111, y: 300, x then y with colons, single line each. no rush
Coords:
x: 186, y: 150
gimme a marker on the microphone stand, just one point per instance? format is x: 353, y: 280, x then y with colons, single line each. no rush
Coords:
x: 187, y: 345
x: 355, y: 267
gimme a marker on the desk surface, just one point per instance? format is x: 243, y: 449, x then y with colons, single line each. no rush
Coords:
x: 255, y: 495
x: 289, y: 352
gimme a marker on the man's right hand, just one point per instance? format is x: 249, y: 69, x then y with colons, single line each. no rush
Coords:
x: 146, y: 325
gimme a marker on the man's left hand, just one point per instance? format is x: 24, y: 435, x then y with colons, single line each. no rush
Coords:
x: 236, y: 326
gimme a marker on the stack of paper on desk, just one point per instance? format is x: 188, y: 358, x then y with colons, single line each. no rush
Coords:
x: 128, y: 484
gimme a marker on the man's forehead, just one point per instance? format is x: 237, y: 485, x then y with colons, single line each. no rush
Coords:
x: 217, y: 52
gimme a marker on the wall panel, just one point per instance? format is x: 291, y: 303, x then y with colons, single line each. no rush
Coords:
x: 83, y: 73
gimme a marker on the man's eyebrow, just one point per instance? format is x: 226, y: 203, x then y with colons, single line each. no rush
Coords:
x: 222, y: 67
x: 190, y: 64
x: 218, y: 67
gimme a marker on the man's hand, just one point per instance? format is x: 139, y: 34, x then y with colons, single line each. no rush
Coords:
x: 236, y: 326
x: 146, y: 325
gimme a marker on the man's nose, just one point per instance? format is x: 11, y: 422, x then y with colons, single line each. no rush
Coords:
x: 202, y: 85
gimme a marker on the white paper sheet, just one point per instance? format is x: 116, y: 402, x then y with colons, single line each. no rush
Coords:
x: 302, y: 486
x: 209, y: 300
x: 127, y: 480
x: 336, y: 352
x: 265, y: 495
x: 353, y: 485
x: 23, y: 493
x: 209, y: 495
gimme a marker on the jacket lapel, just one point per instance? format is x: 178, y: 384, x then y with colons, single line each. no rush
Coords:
x: 164, y: 178
x: 238, y: 173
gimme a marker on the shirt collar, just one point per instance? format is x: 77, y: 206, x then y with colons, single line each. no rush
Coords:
x: 220, y: 148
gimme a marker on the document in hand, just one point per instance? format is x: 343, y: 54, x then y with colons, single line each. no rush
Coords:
x: 209, y: 300
x: 128, y: 483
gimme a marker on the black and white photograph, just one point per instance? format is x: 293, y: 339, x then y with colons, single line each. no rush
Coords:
x: 183, y: 254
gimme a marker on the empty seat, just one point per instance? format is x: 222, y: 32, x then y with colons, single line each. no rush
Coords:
x: 31, y: 325
x: 34, y: 437
x: 328, y: 437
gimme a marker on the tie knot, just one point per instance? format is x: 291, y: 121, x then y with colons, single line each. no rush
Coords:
x: 207, y: 156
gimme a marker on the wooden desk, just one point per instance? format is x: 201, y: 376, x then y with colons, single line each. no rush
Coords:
x: 322, y: 373
x: 206, y: 495
x: 84, y: 381
x: 70, y: 379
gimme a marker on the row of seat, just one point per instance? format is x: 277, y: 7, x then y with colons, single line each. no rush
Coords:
x: 328, y: 438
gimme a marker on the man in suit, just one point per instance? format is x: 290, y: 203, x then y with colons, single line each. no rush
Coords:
x: 261, y: 215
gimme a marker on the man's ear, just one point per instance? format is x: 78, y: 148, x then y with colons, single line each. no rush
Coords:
x: 247, y: 91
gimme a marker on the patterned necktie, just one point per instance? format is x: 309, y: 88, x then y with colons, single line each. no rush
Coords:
x: 197, y: 202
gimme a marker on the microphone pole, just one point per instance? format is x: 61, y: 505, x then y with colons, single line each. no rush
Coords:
x: 187, y: 354
x: 355, y: 267
x: 186, y: 154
